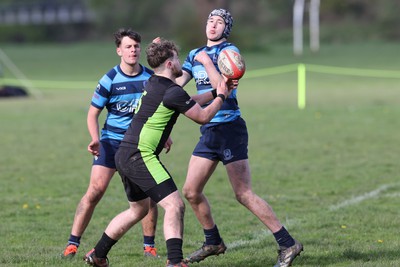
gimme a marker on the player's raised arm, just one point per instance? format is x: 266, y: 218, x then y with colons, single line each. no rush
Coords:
x: 213, y: 74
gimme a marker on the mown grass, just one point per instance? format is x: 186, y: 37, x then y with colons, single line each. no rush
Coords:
x: 330, y: 171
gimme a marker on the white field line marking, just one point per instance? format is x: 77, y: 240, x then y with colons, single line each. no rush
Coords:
x: 397, y: 194
x: 264, y: 233
x: 258, y: 237
x: 360, y: 198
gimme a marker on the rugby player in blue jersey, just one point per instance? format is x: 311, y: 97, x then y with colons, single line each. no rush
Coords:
x: 118, y: 91
x: 224, y: 139
x: 137, y: 159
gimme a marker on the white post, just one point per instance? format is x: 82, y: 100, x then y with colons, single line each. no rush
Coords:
x: 314, y: 25
x: 298, y: 11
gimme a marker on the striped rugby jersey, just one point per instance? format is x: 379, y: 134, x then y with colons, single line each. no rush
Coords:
x: 119, y: 94
x: 230, y: 109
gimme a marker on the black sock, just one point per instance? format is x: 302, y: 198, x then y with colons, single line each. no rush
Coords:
x: 283, y: 238
x: 74, y: 240
x: 174, y: 250
x: 212, y: 236
x: 104, y: 246
x: 148, y: 241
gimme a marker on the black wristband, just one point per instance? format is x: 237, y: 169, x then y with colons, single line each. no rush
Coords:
x: 214, y: 93
x: 222, y: 96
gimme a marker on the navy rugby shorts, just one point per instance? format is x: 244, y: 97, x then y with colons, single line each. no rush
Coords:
x: 225, y: 142
x: 108, y: 148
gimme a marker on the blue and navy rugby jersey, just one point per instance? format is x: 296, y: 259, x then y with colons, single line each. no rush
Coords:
x: 230, y: 109
x: 119, y: 94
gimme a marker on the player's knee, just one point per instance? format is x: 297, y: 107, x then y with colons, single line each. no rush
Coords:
x: 179, y: 208
x: 185, y: 192
x: 94, y: 195
x: 243, y: 197
x: 173, y: 203
x: 189, y: 194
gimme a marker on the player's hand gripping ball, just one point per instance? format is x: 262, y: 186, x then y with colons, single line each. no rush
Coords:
x: 231, y: 64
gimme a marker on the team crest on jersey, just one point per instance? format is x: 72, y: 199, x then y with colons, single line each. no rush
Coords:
x: 98, y: 87
x: 227, y: 154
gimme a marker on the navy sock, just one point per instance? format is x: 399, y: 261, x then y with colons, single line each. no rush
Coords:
x: 212, y: 236
x: 174, y: 250
x: 148, y: 241
x: 104, y: 246
x: 283, y: 238
x: 74, y: 240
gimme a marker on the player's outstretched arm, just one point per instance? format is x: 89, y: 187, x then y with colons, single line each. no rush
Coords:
x: 203, y: 116
x: 208, y: 96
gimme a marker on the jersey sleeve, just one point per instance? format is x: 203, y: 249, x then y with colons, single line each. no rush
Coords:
x: 188, y: 63
x: 178, y: 99
x: 102, y: 93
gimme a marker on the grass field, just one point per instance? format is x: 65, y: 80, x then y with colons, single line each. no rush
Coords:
x: 330, y: 171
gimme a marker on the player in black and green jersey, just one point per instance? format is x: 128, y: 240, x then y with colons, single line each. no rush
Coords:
x: 117, y: 93
x: 143, y: 175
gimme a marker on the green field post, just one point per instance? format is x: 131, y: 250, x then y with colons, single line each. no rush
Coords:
x: 301, y: 86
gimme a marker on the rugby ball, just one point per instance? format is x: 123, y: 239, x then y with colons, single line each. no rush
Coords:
x: 231, y: 64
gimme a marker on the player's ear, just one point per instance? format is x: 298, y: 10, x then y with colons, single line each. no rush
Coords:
x: 119, y: 52
x: 168, y: 63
